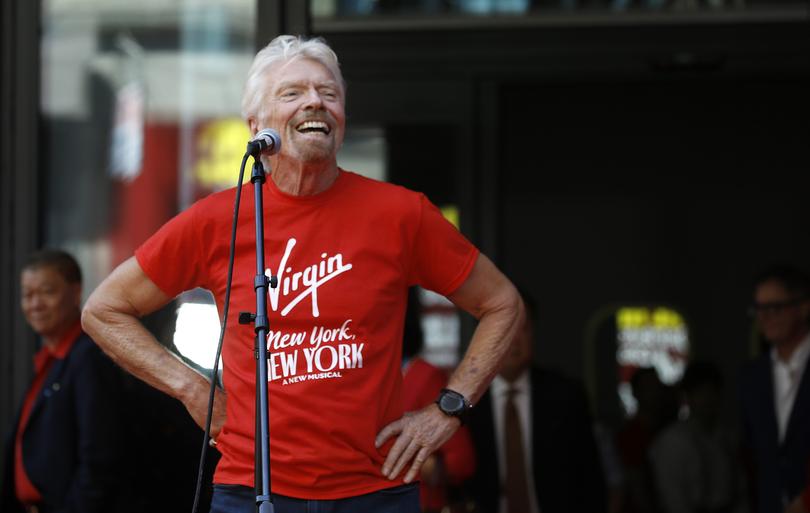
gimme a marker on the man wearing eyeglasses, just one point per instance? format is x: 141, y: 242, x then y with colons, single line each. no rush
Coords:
x: 776, y: 391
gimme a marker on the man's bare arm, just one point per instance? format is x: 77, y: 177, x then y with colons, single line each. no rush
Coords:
x: 489, y: 296
x: 492, y: 299
x: 111, y: 318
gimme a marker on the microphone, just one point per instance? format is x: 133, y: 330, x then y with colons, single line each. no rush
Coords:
x: 265, y: 141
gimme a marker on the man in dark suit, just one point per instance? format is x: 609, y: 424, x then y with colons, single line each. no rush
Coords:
x: 775, y: 390
x: 63, y: 452
x: 544, y: 416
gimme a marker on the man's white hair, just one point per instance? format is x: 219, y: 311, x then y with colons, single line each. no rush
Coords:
x: 282, y: 49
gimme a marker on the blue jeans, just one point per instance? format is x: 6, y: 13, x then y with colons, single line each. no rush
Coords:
x: 241, y: 499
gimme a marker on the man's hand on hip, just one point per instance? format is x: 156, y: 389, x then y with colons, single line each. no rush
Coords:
x: 417, y: 434
x: 197, y: 406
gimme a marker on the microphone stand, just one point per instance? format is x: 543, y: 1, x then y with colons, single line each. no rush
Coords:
x: 261, y: 325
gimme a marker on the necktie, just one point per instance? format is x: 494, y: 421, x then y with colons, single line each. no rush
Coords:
x: 517, y: 487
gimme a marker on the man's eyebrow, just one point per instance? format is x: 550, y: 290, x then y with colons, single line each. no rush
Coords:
x: 297, y: 83
x: 287, y: 83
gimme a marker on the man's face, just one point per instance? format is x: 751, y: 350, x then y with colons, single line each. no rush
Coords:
x: 519, y: 356
x: 305, y: 105
x: 50, y: 304
x: 780, y: 317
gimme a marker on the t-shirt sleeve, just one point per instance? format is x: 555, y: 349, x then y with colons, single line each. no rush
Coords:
x: 171, y: 257
x: 442, y: 257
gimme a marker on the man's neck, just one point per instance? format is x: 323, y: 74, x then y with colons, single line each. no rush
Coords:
x: 52, y: 340
x: 298, y: 178
x: 786, y: 349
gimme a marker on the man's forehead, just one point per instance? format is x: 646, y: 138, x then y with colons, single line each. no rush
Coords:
x: 772, y: 289
x: 296, y: 71
x: 42, y: 272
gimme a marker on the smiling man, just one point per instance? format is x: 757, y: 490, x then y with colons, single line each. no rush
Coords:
x: 348, y: 249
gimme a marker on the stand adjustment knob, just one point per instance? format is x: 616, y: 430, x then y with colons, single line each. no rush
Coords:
x: 246, y: 317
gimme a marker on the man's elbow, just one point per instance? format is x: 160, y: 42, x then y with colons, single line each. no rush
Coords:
x: 91, y: 316
x: 512, y: 304
x: 96, y: 314
x: 99, y: 322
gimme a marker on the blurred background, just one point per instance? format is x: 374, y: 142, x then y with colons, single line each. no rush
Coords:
x: 630, y: 163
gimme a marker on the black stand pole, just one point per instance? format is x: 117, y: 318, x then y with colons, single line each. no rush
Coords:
x: 261, y: 325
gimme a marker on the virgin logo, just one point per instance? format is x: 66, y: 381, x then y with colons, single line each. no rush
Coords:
x: 297, y: 285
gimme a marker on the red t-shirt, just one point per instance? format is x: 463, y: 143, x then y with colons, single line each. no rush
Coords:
x: 344, y: 259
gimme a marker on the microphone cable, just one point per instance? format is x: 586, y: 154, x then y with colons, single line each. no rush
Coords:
x: 215, y: 370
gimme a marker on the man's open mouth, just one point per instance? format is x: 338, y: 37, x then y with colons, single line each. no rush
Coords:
x: 308, y: 127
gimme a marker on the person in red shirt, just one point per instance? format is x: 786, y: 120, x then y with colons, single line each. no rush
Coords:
x: 345, y: 250
x: 65, y: 450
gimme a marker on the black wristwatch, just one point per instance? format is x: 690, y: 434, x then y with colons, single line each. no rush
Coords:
x: 453, y: 404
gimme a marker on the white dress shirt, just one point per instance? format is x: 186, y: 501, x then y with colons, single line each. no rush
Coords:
x: 523, y: 403
x: 786, y: 378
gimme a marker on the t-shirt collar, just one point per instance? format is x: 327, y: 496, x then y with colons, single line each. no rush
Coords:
x: 311, y: 199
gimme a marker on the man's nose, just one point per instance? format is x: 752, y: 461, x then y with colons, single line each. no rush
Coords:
x: 312, y: 99
x: 34, y: 301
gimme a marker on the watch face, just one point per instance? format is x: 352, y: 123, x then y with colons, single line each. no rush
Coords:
x: 452, y: 404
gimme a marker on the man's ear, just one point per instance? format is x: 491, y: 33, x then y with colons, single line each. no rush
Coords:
x: 253, y: 126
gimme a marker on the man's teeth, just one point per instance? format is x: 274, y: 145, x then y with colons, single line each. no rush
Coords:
x: 313, y: 125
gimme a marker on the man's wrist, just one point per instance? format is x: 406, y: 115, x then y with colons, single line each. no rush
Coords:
x: 453, y: 404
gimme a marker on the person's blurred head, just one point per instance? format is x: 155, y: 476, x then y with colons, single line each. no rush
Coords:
x: 519, y: 357
x: 51, y: 287
x: 782, y: 304
x: 702, y: 387
x: 647, y: 389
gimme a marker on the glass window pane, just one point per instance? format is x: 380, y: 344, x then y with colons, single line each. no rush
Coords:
x: 141, y: 116
x: 500, y: 12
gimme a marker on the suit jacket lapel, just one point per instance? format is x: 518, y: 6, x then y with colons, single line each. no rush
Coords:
x: 486, y: 427
x: 797, y: 412
x: 767, y: 400
x: 52, y: 385
x: 537, y: 423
